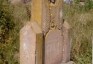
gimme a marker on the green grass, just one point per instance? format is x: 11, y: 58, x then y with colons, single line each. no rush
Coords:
x: 81, y: 22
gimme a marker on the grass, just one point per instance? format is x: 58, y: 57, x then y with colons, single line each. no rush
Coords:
x: 81, y: 22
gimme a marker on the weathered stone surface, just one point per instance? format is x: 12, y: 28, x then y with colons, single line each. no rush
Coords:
x: 36, y: 11
x: 57, y: 45
x: 45, y: 17
x: 56, y: 14
x: 31, y: 43
x: 66, y: 44
x: 53, y: 47
x: 52, y: 15
x: 27, y: 45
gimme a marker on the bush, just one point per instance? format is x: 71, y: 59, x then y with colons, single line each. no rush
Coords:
x: 81, y: 33
x: 88, y: 4
x: 7, y: 32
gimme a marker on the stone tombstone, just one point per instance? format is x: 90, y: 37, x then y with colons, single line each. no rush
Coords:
x: 53, y: 47
x: 66, y: 42
x: 54, y: 37
x: 31, y: 42
x: 57, y: 46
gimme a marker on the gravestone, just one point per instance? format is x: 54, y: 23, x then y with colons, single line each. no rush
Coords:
x: 54, y: 38
x: 31, y: 42
x: 53, y: 47
x: 31, y: 37
x: 67, y: 43
x: 57, y: 46
x: 55, y: 43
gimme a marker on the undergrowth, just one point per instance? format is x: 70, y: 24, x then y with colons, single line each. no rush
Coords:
x: 81, y: 22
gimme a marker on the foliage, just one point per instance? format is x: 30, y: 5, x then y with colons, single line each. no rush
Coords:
x: 81, y: 33
x: 88, y: 4
x: 8, y: 46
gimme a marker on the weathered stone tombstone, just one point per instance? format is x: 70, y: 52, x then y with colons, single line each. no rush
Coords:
x: 31, y: 44
x: 67, y: 43
x: 53, y: 47
x: 54, y: 38
x: 47, y: 21
x: 31, y: 37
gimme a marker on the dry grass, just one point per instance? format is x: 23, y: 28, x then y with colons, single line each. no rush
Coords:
x: 81, y: 33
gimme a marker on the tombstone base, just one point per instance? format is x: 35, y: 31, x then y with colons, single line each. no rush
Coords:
x: 70, y: 62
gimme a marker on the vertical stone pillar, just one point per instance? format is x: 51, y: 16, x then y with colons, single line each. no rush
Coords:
x: 31, y: 42
x: 31, y: 37
x: 36, y: 11
x: 66, y: 44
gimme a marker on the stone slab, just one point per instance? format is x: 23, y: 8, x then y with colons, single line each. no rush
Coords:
x: 53, y: 47
x: 31, y: 43
x: 67, y: 43
x: 27, y: 45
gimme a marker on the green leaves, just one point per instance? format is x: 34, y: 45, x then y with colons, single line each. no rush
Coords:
x: 6, y: 26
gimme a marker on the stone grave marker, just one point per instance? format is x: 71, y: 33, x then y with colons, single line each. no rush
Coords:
x: 67, y: 43
x: 53, y: 47
x: 31, y: 42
